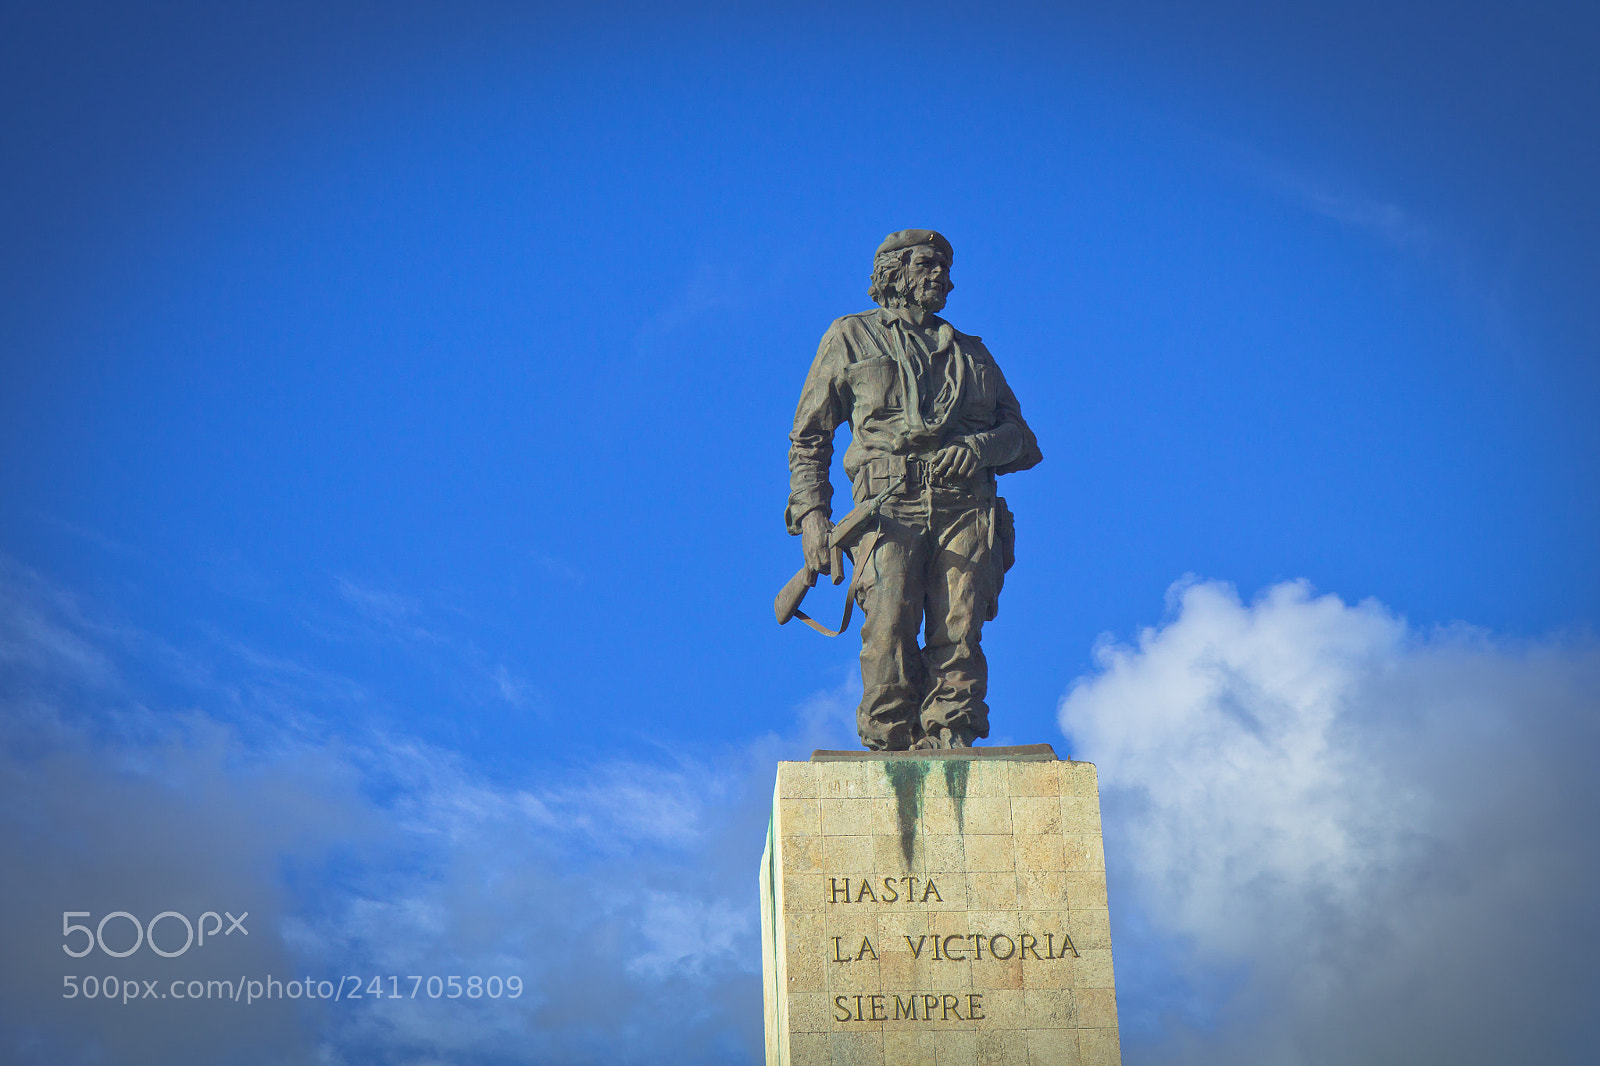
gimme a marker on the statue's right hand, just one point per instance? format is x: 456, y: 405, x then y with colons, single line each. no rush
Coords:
x: 815, y: 529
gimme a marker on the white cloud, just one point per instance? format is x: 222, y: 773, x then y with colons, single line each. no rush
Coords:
x: 828, y: 716
x: 616, y: 892
x: 687, y: 934
x: 1337, y: 838
x: 1370, y: 844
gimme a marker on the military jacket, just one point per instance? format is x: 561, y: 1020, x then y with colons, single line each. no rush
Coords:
x: 907, y: 390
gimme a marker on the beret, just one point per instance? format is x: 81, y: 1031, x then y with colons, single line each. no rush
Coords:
x: 910, y: 238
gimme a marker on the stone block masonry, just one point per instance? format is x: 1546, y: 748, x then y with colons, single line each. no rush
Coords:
x: 937, y: 909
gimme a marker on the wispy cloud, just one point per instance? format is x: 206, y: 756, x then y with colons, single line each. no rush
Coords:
x: 516, y: 691
x: 93, y: 537
x: 394, y: 612
x: 614, y: 891
x: 828, y: 716
x: 559, y: 569
x: 707, y: 289
x: 43, y: 635
x: 1396, y: 225
x: 1328, y: 196
x: 1345, y: 833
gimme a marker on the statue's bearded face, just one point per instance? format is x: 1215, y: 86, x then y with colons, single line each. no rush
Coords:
x: 925, y: 278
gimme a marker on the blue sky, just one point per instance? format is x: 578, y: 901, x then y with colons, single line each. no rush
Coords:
x: 392, y: 445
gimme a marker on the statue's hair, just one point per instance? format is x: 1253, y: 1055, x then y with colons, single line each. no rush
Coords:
x: 888, y: 270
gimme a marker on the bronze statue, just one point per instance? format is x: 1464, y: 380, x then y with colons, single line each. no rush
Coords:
x: 932, y: 421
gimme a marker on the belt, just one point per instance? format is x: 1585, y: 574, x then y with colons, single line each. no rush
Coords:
x: 919, y: 475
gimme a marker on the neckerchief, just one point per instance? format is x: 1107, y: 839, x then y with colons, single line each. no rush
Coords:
x: 925, y: 420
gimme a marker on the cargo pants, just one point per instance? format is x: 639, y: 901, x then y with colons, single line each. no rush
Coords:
x: 932, y: 569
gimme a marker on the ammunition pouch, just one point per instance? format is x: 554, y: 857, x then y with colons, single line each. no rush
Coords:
x: 1005, y: 534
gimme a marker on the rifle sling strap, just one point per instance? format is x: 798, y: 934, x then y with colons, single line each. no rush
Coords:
x: 844, y: 623
x: 863, y: 549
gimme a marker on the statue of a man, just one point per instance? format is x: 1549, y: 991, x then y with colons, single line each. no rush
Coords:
x: 929, y: 404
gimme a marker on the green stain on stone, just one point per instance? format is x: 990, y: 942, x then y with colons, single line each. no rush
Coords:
x: 905, y: 777
x: 772, y: 870
x: 772, y: 897
x: 955, y: 779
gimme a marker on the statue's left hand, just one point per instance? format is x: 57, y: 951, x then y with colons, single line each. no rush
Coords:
x: 954, y: 462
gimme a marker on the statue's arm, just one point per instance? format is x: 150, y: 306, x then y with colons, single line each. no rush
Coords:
x: 1010, y: 445
x: 821, y: 411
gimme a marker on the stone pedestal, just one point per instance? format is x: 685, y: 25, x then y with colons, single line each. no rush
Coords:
x: 935, y: 909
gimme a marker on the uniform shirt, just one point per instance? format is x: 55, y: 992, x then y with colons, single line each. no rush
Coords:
x: 906, y: 390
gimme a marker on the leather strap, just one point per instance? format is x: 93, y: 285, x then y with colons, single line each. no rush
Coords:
x: 864, y: 549
x: 844, y: 623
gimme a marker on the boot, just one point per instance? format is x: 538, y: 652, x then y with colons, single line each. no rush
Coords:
x: 943, y: 737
